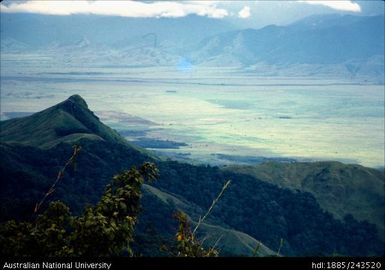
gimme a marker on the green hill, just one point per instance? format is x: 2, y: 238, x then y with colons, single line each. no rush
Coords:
x: 339, y: 188
x: 231, y: 242
x: 34, y: 148
x: 67, y: 121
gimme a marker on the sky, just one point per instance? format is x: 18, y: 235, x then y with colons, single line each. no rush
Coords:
x: 254, y: 13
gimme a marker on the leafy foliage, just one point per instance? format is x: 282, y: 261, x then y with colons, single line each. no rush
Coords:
x: 263, y: 211
x: 27, y: 171
x: 339, y: 188
x: 103, y: 230
x: 188, y: 244
x: 269, y: 213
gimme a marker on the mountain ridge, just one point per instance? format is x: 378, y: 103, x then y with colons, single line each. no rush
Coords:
x: 250, y: 208
x: 325, y: 45
x: 20, y: 158
x: 303, y: 42
x: 68, y: 120
x: 340, y: 189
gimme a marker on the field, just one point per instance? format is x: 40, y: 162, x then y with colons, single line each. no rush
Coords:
x: 203, y: 114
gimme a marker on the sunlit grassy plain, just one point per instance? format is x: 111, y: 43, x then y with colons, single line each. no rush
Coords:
x: 215, y: 111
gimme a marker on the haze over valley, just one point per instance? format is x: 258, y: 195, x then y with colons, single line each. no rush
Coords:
x: 223, y: 91
x: 283, y: 98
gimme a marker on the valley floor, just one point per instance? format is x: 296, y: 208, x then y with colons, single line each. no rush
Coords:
x: 214, y: 116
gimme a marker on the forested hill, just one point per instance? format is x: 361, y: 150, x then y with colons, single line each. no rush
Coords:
x: 34, y: 148
x: 339, y: 189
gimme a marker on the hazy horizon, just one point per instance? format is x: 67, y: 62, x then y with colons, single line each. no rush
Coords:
x: 310, y: 89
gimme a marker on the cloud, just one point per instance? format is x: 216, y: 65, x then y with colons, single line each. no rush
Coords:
x: 119, y: 8
x: 336, y: 4
x: 244, y: 12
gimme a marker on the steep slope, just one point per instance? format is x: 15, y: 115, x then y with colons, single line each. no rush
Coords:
x: 27, y: 173
x: 269, y: 213
x: 67, y: 121
x: 350, y: 47
x: 251, y: 210
x: 34, y: 148
x: 339, y: 188
x: 314, y: 40
x: 228, y: 241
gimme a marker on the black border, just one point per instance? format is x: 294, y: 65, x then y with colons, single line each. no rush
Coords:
x: 219, y: 263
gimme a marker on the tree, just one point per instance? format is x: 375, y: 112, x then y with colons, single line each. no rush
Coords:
x: 188, y: 245
x: 103, y: 230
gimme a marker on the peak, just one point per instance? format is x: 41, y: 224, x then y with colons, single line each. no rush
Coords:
x: 69, y: 120
x: 77, y: 99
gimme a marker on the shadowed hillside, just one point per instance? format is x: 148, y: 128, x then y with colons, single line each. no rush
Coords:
x: 340, y: 189
x: 34, y: 148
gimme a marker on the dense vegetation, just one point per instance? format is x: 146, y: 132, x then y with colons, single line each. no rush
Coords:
x: 261, y: 210
x: 269, y: 213
x: 339, y: 189
x: 26, y: 172
x: 103, y: 230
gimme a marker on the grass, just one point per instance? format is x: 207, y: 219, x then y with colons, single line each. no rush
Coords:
x: 230, y: 241
x: 339, y: 188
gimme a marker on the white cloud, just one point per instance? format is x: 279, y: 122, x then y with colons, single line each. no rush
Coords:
x: 119, y: 8
x: 336, y: 4
x: 244, y: 12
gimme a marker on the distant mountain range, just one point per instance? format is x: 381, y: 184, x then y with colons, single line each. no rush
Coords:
x: 316, y: 208
x: 43, y: 31
x: 346, y: 46
x: 315, y: 40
